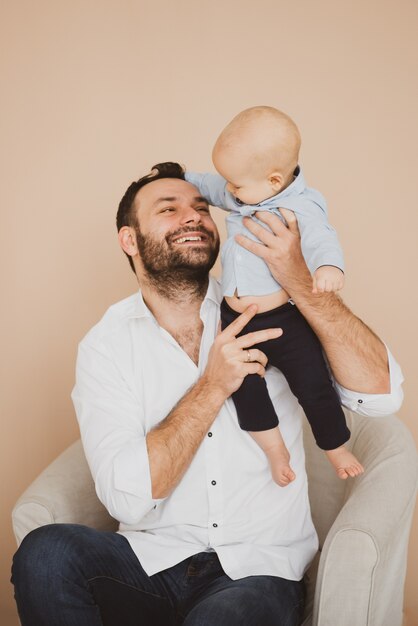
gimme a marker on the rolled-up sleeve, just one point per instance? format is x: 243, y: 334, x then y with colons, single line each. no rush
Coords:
x: 112, y: 430
x: 376, y: 404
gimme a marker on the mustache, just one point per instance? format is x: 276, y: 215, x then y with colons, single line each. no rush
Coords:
x: 190, y: 229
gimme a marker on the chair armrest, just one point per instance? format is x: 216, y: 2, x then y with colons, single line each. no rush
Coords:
x: 63, y: 493
x: 363, y: 562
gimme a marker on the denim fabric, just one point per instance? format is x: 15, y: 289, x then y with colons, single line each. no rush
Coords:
x: 71, y: 575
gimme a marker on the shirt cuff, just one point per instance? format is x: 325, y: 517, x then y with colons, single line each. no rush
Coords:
x: 131, y: 470
x: 376, y: 404
x: 130, y: 497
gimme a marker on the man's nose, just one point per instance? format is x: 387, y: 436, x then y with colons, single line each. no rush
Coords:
x: 190, y: 215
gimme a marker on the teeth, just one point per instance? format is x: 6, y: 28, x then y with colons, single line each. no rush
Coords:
x: 183, y: 239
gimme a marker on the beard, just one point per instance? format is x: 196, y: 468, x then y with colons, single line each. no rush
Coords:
x: 174, y: 271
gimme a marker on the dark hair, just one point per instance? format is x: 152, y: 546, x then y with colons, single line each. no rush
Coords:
x: 126, y: 215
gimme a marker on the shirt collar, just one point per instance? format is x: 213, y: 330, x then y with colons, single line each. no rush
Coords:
x: 138, y: 308
x: 214, y: 291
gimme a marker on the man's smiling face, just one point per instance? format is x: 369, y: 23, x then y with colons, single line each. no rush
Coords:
x: 174, y: 227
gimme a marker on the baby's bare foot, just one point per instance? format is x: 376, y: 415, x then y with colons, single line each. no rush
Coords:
x: 271, y: 442
x: 281, y: 471
x: 346, y: 465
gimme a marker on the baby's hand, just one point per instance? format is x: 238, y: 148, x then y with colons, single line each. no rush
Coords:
x: 327, y: 278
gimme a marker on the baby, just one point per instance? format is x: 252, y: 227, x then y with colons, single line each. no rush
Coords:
x: 256, y: 156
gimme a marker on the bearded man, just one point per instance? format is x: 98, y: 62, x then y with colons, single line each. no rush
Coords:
x: 206, y: 537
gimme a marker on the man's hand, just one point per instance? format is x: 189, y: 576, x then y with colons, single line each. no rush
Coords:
x: 231, y: 358
x: 280, y: 248
x: 327, y: 278
x: 173, y: 443
x: 357, y: 357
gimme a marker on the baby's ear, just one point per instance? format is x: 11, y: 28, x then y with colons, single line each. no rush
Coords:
x: 276, y: 180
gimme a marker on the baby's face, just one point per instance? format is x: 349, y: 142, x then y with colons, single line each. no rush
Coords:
x: 249, y: 191
x: 242, y: 183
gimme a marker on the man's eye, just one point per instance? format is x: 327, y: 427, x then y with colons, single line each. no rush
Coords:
x: 205, y: 209
x: 167, y: 209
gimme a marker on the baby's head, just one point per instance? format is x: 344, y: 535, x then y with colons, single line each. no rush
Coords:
x: 257, y: 153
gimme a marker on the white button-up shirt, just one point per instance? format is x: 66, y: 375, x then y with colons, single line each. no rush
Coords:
x: 130, y: 374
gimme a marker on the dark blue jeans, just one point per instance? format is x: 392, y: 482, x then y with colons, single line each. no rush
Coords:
x: 71, y: 575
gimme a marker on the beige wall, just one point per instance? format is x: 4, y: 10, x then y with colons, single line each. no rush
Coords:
x: 96, y: 92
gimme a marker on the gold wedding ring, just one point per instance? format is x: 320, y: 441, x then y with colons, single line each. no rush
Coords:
x: 248, y: 359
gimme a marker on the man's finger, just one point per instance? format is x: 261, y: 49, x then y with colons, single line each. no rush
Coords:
x: 255, y: 368
x: 291, y: 220
x: 273, y: 221
x: 257, y: 248
x: 256, y: 357
x: 258, y: 336
x: 235, y: 327
x: 265, y: 235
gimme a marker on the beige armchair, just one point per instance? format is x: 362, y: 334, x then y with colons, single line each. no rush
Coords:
x: 363, y: 525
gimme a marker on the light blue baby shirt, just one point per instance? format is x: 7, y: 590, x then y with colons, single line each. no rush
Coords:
x: 244, y: 271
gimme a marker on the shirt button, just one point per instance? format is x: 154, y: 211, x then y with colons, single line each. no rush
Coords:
x: 213, y: 482
x: 360, y: 401
x: 210, y: 434
x: 215, y: 525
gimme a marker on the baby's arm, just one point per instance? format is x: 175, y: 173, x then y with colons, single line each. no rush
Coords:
x: 320, y: 245
x: 211, y: 186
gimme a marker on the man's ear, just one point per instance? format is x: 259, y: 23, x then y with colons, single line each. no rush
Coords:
x: 127, y: 240
x: 276, y: 180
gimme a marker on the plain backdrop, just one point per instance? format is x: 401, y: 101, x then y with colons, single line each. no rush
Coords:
x: 94, y: 93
